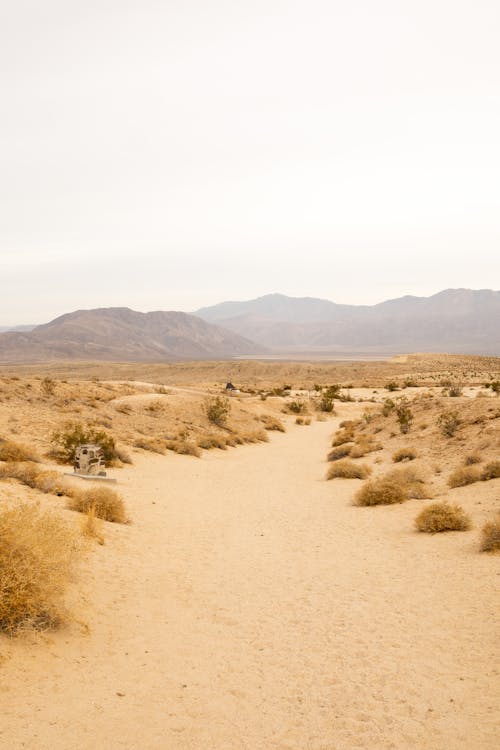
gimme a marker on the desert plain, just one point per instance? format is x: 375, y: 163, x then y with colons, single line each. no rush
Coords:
x: 250, y: 602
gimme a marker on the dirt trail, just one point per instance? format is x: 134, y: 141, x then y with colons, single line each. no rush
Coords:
x: 250, y: 605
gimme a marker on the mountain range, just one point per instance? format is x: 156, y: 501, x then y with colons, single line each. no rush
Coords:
x: 454, y: 321
x: 122, y: 335
x: 461, y: 321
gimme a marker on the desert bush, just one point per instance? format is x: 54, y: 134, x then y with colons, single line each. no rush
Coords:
x: 455, y: 391
x: 303, y: 420
x: 296, y: 407
x: 32, y: 476
x: 38, y: 553
x: 272, y: 423
x: 91, y: 526
x: 73, y: 434
x: 217, y: 410
x: 251, y: 436
x: 491, y: 471
x: 363, y: 446
x: 448, y: 422
x: 325, y: 403
x: 380, y: 491
x: 154, y: 445
x: 404, y: 454
x: 404, y: 416
x: 339, y: 452
x: 47, y: 387
x: 464, y: 475
x: 207, y: 442
x: 495, y: 387
x: 412, y: 480
x: 391, y: 386
x: 184, y: 447
x: 345, y: 434
x: 345, y: 469
x: 107, y: 504
x: 490, y: 536
x: 442, y: 517
x: 12, y: 451
x: 387, y: 407
x: 472, y: 458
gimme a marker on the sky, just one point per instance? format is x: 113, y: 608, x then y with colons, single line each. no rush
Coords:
x: 170, y: 154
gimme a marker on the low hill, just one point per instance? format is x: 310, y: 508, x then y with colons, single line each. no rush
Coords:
x: 455, y: 321
x: 121, y: 334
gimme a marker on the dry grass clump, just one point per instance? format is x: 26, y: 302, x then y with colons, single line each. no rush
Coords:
x: 92, y: 526
x: 464, y: 475
x: 209, y: 441
x: 472, y: 458
x: 253, y: 436
x: 345, y: 434
x: 107, y: 504
x: 341, y: 451
x: 29, y: 474
x: 345, y: 469
x: 442, y: 517
x: 412, y: 480
x: 183, y: 447
x: 491, y: 471
x: 363, y: 446
x: 153, y: 446
x: 490, y: 536
x: 404, y: 454
x: 272, y: 423
x: 381, y: 491
x: 303, y: 420
x: 38, y: 553
x: 12, y: 451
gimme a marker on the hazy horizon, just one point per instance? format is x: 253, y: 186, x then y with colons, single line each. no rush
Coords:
x: 175, y: 155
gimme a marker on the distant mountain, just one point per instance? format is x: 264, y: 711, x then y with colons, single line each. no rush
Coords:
x: 121, y: 334
x: 454, y: 321
x: 16, y: 328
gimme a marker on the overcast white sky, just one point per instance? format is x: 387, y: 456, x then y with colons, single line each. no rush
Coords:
x: 170, y: 154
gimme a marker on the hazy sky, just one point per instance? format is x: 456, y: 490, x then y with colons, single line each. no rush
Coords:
x: 172, y: 154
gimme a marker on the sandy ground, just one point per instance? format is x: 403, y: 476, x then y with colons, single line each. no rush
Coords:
x: 251, y: 606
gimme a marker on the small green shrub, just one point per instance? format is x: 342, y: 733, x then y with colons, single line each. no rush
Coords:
x: 404, y: 416
x: 442, y: 516
x: 73, y: 434
x: 296, y: 407
x: 449, y: 422
x: 388, y: 406
x: 217, y: 410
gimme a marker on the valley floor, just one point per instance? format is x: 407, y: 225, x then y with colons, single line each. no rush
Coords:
x: 250, y: 605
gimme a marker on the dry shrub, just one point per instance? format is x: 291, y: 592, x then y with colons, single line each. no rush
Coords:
x: 412, y: 481
x: 12, y: 451
x: 490, y: 536
x: 344, y: 435
x: 153, y: 446
x: 107, y: 504
x: 92, y: 526
x: 32, y: 476
x: 345, y: 469
x: 472, y: 458
x: 217, y: 409
x: 404, y: 454
x: 380, y: 491
x: 364, y: 445
x: 207, y: 442
x: 73, y: 434
x: 184, y: 447
x: 491, y: 471
x: 272, y: 423
x: 464, y: 475
x: 442, y: 517
x: 38, y: 552
x: 254, y: 436
x: 339, y: 452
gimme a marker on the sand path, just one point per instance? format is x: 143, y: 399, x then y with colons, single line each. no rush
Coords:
x: 249, y: 605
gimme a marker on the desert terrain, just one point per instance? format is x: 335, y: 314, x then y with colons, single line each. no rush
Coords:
x: 250, y: 602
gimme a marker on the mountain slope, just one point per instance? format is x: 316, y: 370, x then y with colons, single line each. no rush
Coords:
x: 454, y: 321
x: 121, y: 334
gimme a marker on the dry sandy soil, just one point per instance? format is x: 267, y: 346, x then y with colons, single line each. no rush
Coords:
x: 251, y: 605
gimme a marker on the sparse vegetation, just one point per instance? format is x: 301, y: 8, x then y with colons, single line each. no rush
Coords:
x: 404, y: 416
x: 345, y: 469
x: 442, y: 516
x: 217, y: 410
x: 491, y: 471
x: 449, y: 423
x: 184, y: 447
x: 490, y: 536
x: 73, y: 434
x: 339, y: 452
x: 12, y: 451
x: 472, y: 458
x: 272, y: 423
x: 106, y: 504
x: 404, y: 454
x: 464, y: 475
x: 380, y: 491
x: 38, y: 553
x: 391, y: 386
x: 297, y: 407
x: 29, y: 474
